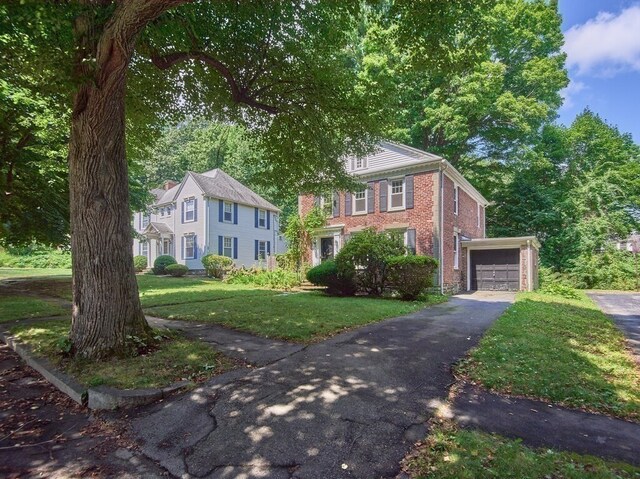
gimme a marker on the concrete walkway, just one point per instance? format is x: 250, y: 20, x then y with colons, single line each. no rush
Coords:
x: 351, y: 406
x: 540, y: 424
x: 624, y: 309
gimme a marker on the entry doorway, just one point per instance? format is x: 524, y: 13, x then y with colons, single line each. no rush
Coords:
x: 326, y: 249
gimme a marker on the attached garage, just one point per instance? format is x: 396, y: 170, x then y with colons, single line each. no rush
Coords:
x: 501, y: 264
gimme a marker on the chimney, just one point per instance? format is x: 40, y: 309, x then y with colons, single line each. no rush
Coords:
x: 169, y: 184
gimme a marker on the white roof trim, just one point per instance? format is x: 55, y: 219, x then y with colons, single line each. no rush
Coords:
x: 497, y: 243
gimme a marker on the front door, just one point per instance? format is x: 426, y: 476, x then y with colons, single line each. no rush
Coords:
x: 326, y: 248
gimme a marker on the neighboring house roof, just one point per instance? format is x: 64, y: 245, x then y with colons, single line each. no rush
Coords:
x: 216, y: 184
x: 395, y: 157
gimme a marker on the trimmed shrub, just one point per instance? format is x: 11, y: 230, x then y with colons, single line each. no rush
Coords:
x: 326, y: 274
x: 364, y: 257
x: 161, y: 263
x: 217, y: 266
x: 276, y: 279
x: 139, y: 263
x: 410, y: 275
x: 176, y: 270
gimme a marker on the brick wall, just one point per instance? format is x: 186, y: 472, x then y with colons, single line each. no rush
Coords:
x: 465, y: 223
x: 524, y: 268
x: 420, y: 217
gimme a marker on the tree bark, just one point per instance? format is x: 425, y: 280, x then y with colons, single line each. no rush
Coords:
x: 106, y: 306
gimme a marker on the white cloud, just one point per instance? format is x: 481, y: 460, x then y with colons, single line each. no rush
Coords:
x: 569, y: 93
x: 605, y: 44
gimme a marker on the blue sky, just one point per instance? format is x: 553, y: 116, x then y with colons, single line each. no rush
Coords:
x: 602, y: 42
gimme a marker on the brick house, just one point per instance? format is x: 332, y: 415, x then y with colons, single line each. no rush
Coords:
x: 434, y: 210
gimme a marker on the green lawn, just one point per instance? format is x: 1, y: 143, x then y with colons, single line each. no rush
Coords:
x: 297, y: 316
x: 21, y: 307
x: 563, y: 350
x: 457, y: 454
x: 7, y: 273
x: 177, y: 358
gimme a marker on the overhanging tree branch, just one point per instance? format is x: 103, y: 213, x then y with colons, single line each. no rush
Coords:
x: 238, y: 93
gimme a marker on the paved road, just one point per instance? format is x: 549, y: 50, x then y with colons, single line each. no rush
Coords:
x: 624, y: 308
x: 350, y: 407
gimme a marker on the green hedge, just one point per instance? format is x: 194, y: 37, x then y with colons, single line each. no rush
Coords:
x: 326, y: 274
x: 161, y: 263
x: 410, y: 275
x: 40, y: 257
x: 177, y: 270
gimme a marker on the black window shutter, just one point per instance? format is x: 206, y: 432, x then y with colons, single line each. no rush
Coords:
x: 336, y: 204
x: 195, y: 247
x: 195, y: 209
x: 384, y: 188
x: 182, y: 247
x: 371, y: 205
x: 220, y: 211
x: 256, y: 245
x: 268, y: 220
x: 182, y: 213
x: 347, y: 203
x: 255, y: 219
x: 220, y: 240
x: 408, y: 184
x: 235, y: 213
x: 411, y: 241
x: 235, y: 248
x: 268, y: 247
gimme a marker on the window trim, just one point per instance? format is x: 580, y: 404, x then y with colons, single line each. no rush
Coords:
x: 456, y: 251
x: 187, y: 202
x: 260, y: 213
x: 186, y: 247
x: 224, y: 212
x: 145, y: 216
x: 144, y: 248
x: 224, y: 246
x: 390, y: 194
x: 366, y: 201
x: 260, y: 244
x: 456, y: 199
x: 363, y: 165
x: 326, y: 203
x: 478, y: 214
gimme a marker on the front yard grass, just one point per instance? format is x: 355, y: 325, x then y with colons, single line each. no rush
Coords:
x: 449, y: 453
x: 22, y: 307
x: 295, y: 316
x: 176, y: 358
x: 9, y: 273
x: 563, y: 350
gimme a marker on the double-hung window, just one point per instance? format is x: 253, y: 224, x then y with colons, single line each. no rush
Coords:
x: 162, y: 212
x: 144, y: 248
x: 456, y: 255
x: 396, y: 194
x: 227, y: 247
x: 262, y: 250
x: 190, y: 209
x: 262, y: 218
x: 228, y: 212
x: 360, y: 201
x: 456, y: 198
x: 326, y: 204
x: 189, y: 247
x: 168, y: 210
x: 145, y: 219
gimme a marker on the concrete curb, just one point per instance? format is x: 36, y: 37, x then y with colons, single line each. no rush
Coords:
x: 96, y: 398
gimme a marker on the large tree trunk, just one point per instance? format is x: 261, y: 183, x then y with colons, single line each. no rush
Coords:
x: 106, y: 307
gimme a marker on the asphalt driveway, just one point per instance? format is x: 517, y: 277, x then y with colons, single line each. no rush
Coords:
x: 624, y: 309
x: 351, y: 406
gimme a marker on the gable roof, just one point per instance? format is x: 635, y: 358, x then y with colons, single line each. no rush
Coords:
x: 218, y: 184
x: 391, y: 157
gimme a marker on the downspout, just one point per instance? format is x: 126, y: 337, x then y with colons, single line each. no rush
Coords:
x: 529, y: 279
x: 205, y: 236
x: 443, y: 167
